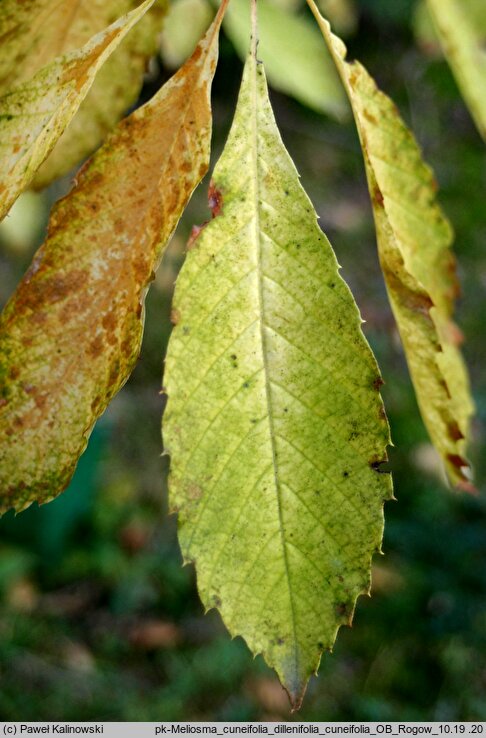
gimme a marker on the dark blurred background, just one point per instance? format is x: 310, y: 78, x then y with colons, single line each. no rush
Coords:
x: 98, y: 619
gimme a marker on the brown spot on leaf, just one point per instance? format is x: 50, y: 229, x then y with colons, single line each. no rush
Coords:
x: 454, y: 431
x: 175, y: 316
x: 369, y: 117
x: 95, y: 347
x: 376, y: 462
x: 109, y: 321
x: 126, y: 347
x: 457, y: 461
x: 36, y: 292
x: 416, y: 300
x: 215, y: 200
x: 377, y: 196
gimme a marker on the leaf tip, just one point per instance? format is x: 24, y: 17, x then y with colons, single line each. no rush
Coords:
x: 296, y: 695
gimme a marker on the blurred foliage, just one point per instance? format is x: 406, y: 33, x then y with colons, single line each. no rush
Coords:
x: 98, y: 619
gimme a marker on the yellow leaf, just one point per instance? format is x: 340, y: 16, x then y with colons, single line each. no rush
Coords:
x: 414, y: 241
x: 274, y: 421
x: 71, y: 333
x: 34, y: 114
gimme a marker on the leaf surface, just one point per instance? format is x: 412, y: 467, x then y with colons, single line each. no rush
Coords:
x: 33, y: 33
x: 34, y: 115
x: 274, y: 422
x: 295, y: 60
x: 414, y: 241
x: 461, y: 28
x: 71, y: 333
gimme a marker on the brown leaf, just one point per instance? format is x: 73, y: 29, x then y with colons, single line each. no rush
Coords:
x: 71, y: 333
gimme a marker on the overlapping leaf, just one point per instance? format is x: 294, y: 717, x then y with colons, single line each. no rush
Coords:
x: 33, y: 33
x: 294, y: 58
x: 71, y: 333
x: 274, y: 422
x: 414, y: 246
x: 34, y: 115
x: 461, y: 26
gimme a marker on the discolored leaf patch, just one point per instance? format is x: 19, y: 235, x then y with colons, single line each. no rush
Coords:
x: 414, y: 241
x: 34, y: 114
x: 274, y: 422
x: 71, y: 333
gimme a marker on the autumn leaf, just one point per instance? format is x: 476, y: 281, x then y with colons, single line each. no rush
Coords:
x: 274, y: 423
x: 461, y: 27
x: 414, y: 241
x: 34, y: 115
x: 33, y: 33
x: 295, y: 60
x: 71, y: 333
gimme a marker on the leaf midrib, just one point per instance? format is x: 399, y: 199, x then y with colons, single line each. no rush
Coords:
x: 266, y: 372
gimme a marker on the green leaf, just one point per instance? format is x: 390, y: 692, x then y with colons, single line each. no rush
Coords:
x: 414, y: 241
x: 461, y: 27
x: 33, y: 33
x: 274, y: 422
x: 295, y: 59
x: 71, y: 333
x: 34, y: 115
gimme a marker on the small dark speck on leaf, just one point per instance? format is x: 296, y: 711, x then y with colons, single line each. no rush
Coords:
x: 377, y: 196
x: 375, y: 465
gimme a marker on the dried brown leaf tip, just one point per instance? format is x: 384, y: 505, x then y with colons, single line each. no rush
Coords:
x: 71, y: 333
